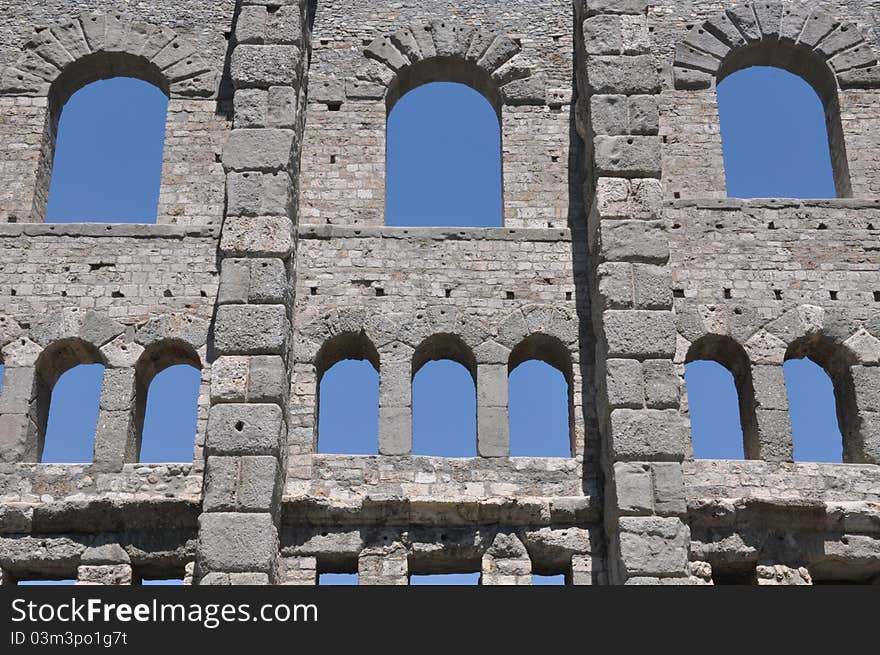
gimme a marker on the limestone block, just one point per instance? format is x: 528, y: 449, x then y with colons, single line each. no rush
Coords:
x: 634, y: 241
x: 652, y: 286
x: 627, y: 156
x: 623, y: 74
x: 639, y: 333
x: 395, y: 430
x: 117, y: 574
x: 624, y: 387
x: 263, y: 66
x: 615, y: 285
x: 648, y: 434
x: 233, y: 542
x: 251, y: 149
x: 654, y: 546
x: 781, y: 575
x: 661, y: 384
x: 634, y: 488
x: 251, y: 329
x: 245, y: 429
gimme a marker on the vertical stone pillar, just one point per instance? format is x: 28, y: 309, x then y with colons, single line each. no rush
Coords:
x: 246, y: 444
x: 114, y: 442
x: 18, y: 432
x: 107, y: 564
x: 188, y: 571
x: 300, y: 571
x: 643, y: 434
x: 395, y: 403
x: 383, y: 565
x: 493, y: 429
x: 774, y: 439
x: 5, y: 578
x: 863, y: 444
x: 781, y: 575
x: 506, y: 562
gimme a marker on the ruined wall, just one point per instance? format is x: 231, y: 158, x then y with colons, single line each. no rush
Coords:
x: 619, y: 260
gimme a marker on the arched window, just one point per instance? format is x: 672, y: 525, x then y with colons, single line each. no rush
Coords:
x: 714, y: 411
x: 171, y: 414
x: 721, y: 400
x: 443, y: 158
x: 539, y: 398
x: 348, y: 396
x: 444, y: 398
x: 774, y: 136
x: 108, y: 153
x: 70, y: 375
x: 821, y: 399
x: 168, y: 376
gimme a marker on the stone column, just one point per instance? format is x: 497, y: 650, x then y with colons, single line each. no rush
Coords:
x: 395, y: 403
x: 506, y: 562
x: 864, y: 442
x: 299, y: 571
x: 107, y: 564
x: 643, y: 433
x: 188, y: 573
x: 781, y: 575
x: 18, y: 432
x: 774, y: 440
x: 246, y: 444
x: 114, y: 441
x: 493, y: 426
x: 383, y: 565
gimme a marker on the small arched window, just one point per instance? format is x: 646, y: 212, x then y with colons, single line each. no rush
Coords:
x: 168, y: 378
x: 540, y: 398
x: 443, y: 158
x: 821, y: 398
x: 721, y: 400
x: 774, y: 136
x: 347, y: 370
x: 70, y: 376
x: 108, y: 153
x: 444, y: 398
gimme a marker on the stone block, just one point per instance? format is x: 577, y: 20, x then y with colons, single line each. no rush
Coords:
x: 267, y: 380
x: 623, y: 379
x: 648, y: 434
x: 245, y: 429
x: 251, y: 149
x: 625, y: 75
x: 669, y: 491
x: 639, y: 334
x: 262, y: 66
x: 634, y: 241
x: 661, y: 384
x: 257, y: 236
x: 493, y: 434
x: 615, y: 285
x: 652, y: 286
x: 627, y: 156
x: 395, y: 430
x: 654, y: 546
x: 633, y: 487
x: 251, y: 330
x: 233, y: 542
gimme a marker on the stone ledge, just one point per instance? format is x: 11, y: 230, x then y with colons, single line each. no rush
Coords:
x: 131, y: 230
x: 435, y: 233
x: 435, y: 511
x: 772, y: 203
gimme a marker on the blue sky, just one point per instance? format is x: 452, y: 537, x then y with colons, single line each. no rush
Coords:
x: 108, y: 166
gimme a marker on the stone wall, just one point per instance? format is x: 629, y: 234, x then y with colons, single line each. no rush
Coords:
x: 619, y: 260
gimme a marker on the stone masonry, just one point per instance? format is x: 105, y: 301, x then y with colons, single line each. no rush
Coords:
x: 620, y: 260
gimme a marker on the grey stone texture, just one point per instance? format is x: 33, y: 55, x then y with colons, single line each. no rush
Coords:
x: 618, y: 259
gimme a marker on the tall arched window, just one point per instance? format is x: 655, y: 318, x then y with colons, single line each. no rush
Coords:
x: 70, y: 376
x: 171, y: 414
x: 721, y: 400
x: 714, y: 411
x: 108, y: 153
x: 775, y: 132
x: 815, y: 430
x: 168, y: 376
x: 539, y: 398
x: 825, y: 421
x: 347, y: 369
x: 444, y: 399
x: 443, y: 158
